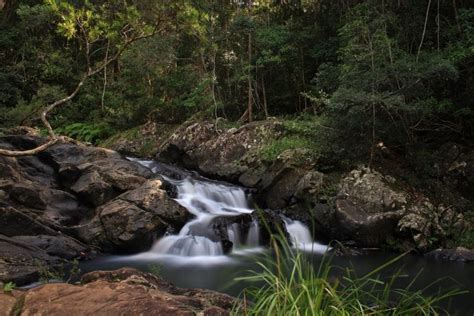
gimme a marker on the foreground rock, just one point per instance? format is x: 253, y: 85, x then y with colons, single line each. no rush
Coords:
x: 72, y: 201
x: 121, y: 292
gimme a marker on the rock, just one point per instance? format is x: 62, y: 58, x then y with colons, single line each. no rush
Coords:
x: 63, y: 208
x: 14, y: 222
x: 373, y: 209
x: 426, y: 223
x: 93, y: 189
x: 222, y: 154
x: 20, y: 262
x: 288, y: 181
x: 152, y: 198
x: 28, y: 196
x: 458, y: 254
x: 143, y: 141
x: 50, y: 199
x: 57, y: 246
x: 123, y: 292
x: 105, y: 179
x: 366, y: 228
x: 373, y: 191
x: 75, y: 154
x: 133, y: 220
x: 23, y: 130
x: 9, y: 302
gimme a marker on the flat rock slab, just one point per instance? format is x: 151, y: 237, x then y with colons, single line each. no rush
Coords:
x: 123, y: 292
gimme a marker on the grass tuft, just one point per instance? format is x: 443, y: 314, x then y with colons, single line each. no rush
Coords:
x: 289, y: 284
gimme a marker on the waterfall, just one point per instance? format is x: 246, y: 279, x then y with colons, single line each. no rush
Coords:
x: 209, y: 200
x: 300, y: 237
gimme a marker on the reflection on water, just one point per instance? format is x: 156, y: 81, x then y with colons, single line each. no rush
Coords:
x: 218, y: 272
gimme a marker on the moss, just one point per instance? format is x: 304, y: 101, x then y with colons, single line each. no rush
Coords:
x: 272, y: 149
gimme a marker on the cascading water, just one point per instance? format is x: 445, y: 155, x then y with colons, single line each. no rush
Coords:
x: 207, y: 201
x: 300, y: 237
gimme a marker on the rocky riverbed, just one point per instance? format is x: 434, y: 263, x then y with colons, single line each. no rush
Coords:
x: 75, y: 202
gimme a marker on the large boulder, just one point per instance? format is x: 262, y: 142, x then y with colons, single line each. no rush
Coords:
x: 374, y: 210
x: 289, y: 180
x: 219, y: 153
x: 104, y: 179
x: 123, y: 292
x: 132, y: 221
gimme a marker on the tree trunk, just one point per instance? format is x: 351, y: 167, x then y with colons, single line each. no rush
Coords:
x: 250, y: 102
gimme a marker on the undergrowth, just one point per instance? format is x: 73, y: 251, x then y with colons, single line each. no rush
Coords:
x: 289, y: 284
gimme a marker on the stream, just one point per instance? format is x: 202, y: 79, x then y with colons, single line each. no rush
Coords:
x: 196, y: 257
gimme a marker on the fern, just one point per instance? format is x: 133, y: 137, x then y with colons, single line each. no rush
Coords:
x: 87, y: 132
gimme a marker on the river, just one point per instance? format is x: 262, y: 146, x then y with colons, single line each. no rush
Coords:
x: 195, y: 256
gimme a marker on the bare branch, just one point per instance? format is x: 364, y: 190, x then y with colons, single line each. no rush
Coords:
x: 18, y: 153
x: 53, y: 138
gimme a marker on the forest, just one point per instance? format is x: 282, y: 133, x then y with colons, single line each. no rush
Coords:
x: 398, y: 73
x: 310, y: 153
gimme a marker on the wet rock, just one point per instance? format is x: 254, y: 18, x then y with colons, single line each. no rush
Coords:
x: 124, y: 292
x: 457, y: 254
x: 152, y: 198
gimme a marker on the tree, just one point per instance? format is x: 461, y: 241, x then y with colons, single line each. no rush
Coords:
x: 110, y: 27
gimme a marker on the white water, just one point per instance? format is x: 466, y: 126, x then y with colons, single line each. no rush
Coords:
x: 207, y: 200
x: 300, y: 237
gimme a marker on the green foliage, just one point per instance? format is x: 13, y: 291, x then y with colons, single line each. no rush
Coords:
x: 9, y: 287
x: 275, y: 147
x: 155, y: 269
x: 290, y: 285
x: 91, y: 133
x: 361, y: 68
x: 66, y: 271
x: 466, y: 239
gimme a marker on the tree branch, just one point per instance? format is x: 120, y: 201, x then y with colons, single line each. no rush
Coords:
x: 53, y: 138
